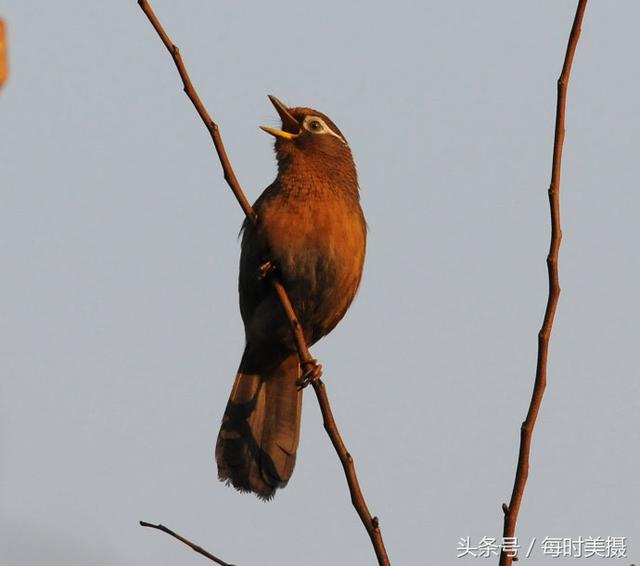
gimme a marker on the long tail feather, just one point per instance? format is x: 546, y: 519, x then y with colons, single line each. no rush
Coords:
x: 258, y: 439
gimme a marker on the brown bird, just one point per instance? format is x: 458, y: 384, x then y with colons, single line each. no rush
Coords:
x: 312, y: 231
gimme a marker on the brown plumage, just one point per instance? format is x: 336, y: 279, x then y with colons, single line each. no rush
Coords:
x: 311, y: 227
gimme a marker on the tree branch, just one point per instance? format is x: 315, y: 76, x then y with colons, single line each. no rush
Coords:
x: 370, y: 523
x: 193, y: 546
x: 526, y: 430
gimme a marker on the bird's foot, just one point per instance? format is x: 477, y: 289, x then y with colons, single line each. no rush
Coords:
x: 265, y: 269
x: 312, y: 371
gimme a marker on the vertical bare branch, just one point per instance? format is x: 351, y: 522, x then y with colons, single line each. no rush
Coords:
x: 370, y: 523
x: 526, y: 430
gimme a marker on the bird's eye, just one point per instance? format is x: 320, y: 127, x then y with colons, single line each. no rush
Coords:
x: 317, y: 125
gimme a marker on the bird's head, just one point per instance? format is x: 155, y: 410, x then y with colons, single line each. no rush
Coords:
x: 309, y: 138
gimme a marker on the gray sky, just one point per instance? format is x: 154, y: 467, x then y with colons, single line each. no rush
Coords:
x: 119, y: 327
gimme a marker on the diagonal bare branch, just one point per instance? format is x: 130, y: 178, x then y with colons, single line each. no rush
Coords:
x: 190, y: 544
x: 370, y: 523
x: 526, y: 430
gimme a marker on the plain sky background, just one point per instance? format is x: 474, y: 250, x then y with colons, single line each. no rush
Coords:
x: 119, y: 328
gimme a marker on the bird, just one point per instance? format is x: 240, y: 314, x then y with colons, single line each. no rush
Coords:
x: 311, y: 231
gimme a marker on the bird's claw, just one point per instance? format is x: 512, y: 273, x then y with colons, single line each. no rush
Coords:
x: 312, y: 371
x: 265, y: 268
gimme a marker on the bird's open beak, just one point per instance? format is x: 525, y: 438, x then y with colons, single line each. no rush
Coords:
x: 290, y: 126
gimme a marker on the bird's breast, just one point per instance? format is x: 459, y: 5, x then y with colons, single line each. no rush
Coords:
x: 329, y: 231
x: 318, y: 245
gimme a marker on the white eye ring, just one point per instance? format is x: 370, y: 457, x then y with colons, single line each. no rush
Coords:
x: 317, y: 125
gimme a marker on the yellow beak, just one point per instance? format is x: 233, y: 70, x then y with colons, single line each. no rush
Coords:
x: 288, y: 122
x: 279, y: 133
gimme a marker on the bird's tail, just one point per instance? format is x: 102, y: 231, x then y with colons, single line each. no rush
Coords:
x: 258, y: 439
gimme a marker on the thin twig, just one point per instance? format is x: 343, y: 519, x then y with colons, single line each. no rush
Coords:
x: 370, y: 523
x: 526, y: 430
x: 190, y: 544
x: 190, y: 91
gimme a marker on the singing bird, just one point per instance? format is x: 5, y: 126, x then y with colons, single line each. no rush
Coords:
x: 311, y: 229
